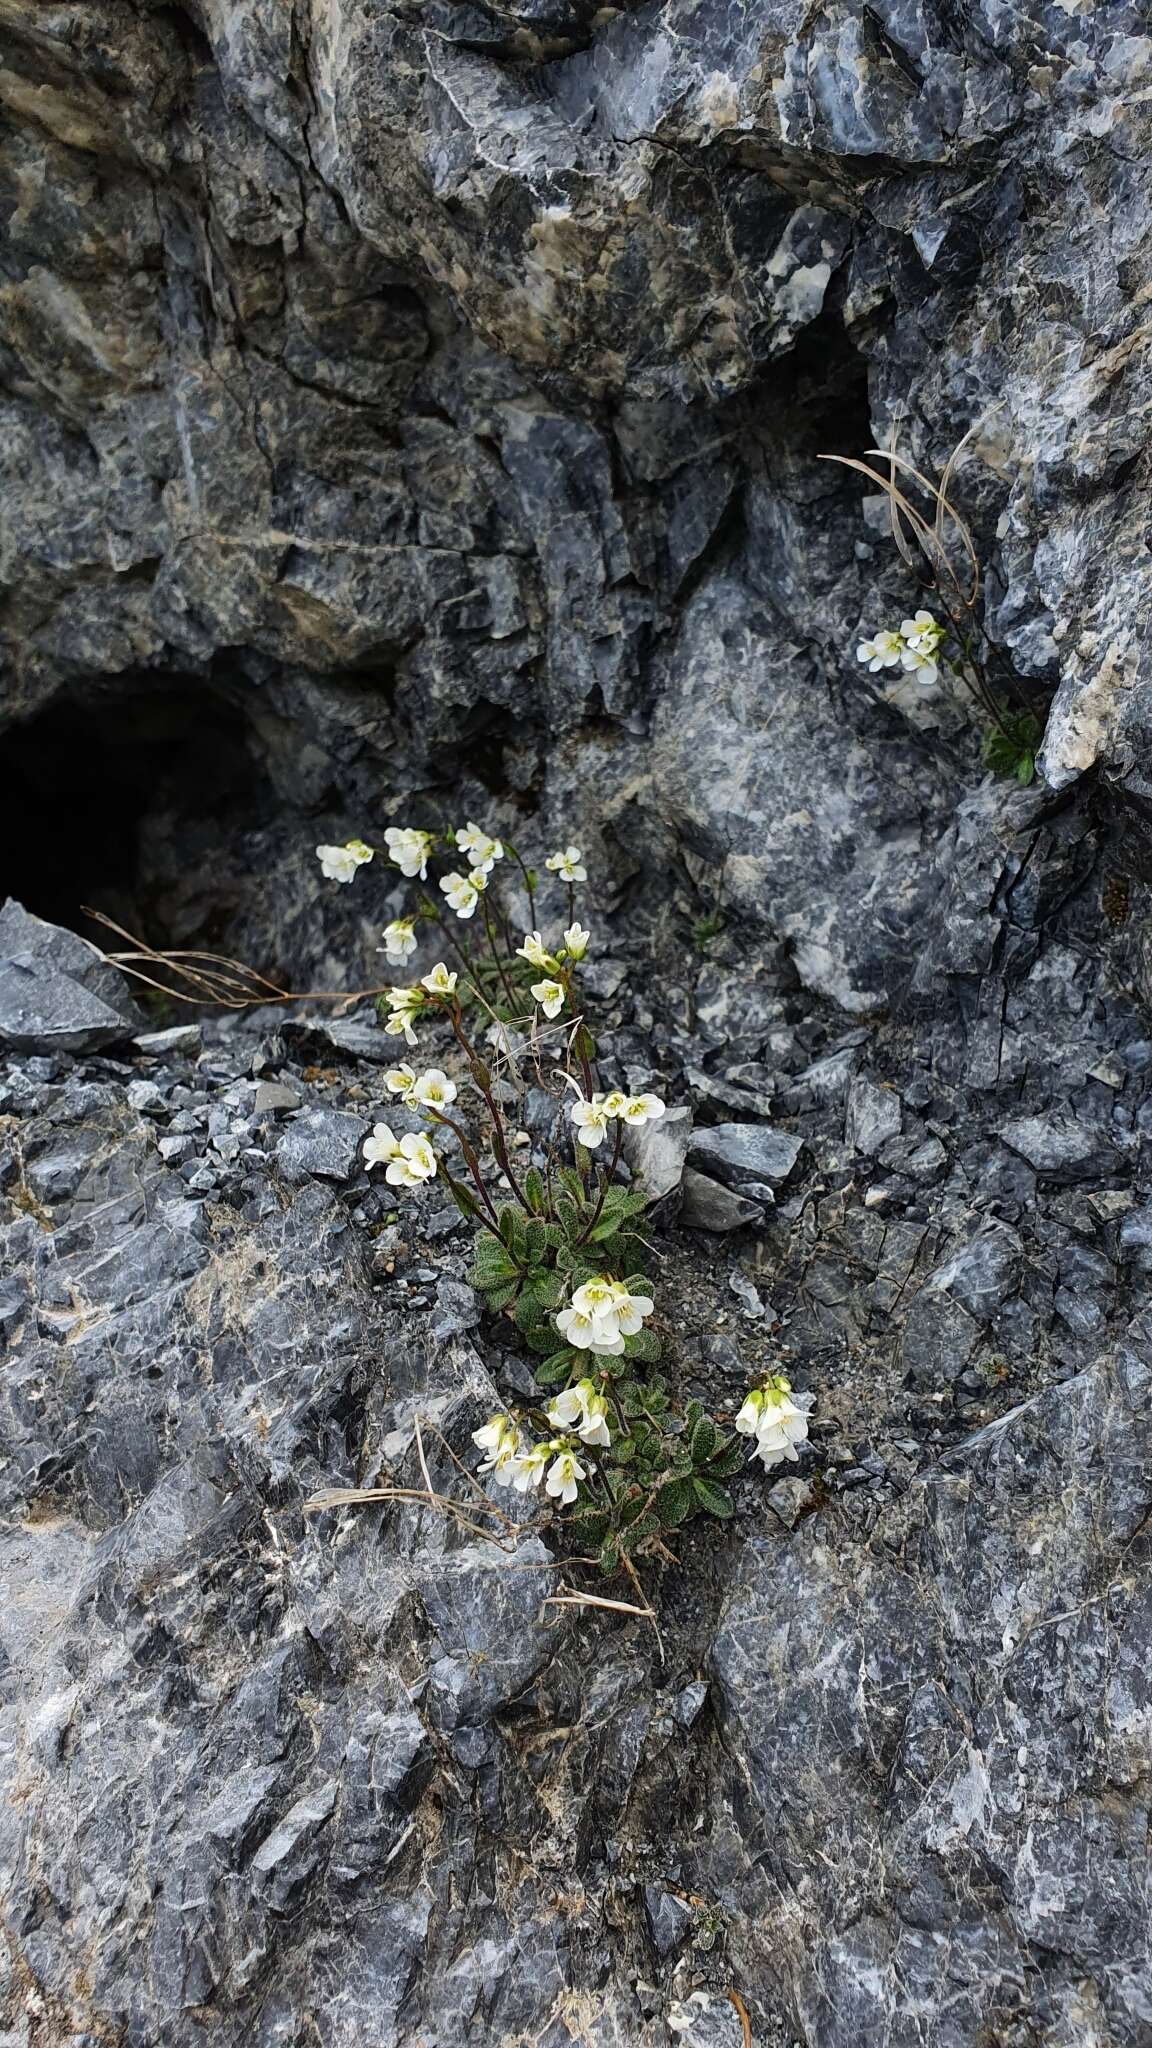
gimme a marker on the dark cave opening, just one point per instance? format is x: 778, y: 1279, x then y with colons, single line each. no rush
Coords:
x: 126, y: 801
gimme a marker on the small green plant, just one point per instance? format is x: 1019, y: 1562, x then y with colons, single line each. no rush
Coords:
x: 1010, y: 748
x: 932, y: 536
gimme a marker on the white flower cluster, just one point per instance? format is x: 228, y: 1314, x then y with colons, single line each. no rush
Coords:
x: 339, y: 863
x: 777, y: 1422
x: 409, y: 1161
x: 592, y: 1115
x: 405, y: 1004
x: 430, y: 1090
x: 600, y: 1315
x: 914, y: 649
x: 464, y: 891
x: 579, y: 1414
x: 550, y: 993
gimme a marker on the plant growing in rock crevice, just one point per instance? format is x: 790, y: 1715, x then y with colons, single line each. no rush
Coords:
x: 559, y: 1252
x: 939, y: 541
x: 608, y: 1440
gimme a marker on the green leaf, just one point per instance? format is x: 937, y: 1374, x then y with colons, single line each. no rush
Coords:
x: 674, y: 1503
x: 498, y: 1297
x: 529, y: 1317
x: 609, y: 1559
x: 703, y: 1440
x: 728, y: 1459
x: 543, y: 1338
x: 535, y: 1241
x: 624, y: 1450
x: 492, y: 1261
x: 534, y: 1190
x: 556, y: 1369
x: 715, y: 1500
x: 645, y: 1344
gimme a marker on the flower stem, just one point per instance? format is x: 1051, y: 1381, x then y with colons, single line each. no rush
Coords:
x: 605, y: 1185
x: 499, y: 1147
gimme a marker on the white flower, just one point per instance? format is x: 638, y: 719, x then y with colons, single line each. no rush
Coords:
x: 591, y: 1120
x: 526, y: 1469
x: 782, y: 1423
x: 403, y: 1004
x: 401, y: 1081
x: 595, y: 1297
x: 882, y: 651
x: 563, y: 1474
x: 922, y: 633
x: 433, y: 1089
x: 339, y: 863
x: 576, y: 939
x: 482, y: 852
x: 399, y: 940
x: 408, y: 1160
x: 382, y: 1146
x: 533, y: 951
x: 412, y: 1163
x: 589, y: 1333
x: 913, y: 660
x: 550, y: 996
x: 399, y: 1025
x: 629, y: 1310
x: 568, y: 864
x: 641, y: 1109
x: 748, y: 1420
x: 409, y: 849
x: 581, y: 1408
x: 440, y: 982
x: 613, y: 1103
x: 499, y: 1439
x: 464, y: 891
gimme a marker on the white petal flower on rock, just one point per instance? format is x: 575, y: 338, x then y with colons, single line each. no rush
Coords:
x: 589, y: 1333
x: 401, y: 1081
x: 440, y: 982
x: 409, y: 849
x: 399, y: 940
x: 382, y: 1146
x: 883, y: 650
x: 412, y: 1163
x: 568, y: 863
x: 583, y: 1409
x: 464, y: 891
x: 564, y: 1475
x: 500, y: 1440
x: 339, y: 863
x: 549, y: 995
x: 638, y: 1110
x: 527, y: 1468
x: 922, y: 633
x: 434, y: 1090
x: 782, y: 1423
x: 534, y: 951
x: 482, y: 851
x: 923, y: 666
x: 576, y: 940
x: 591, y: 1120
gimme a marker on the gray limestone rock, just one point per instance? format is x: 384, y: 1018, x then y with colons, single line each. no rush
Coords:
x: 656, y: 1152
x: 707, y: 1205
x: 56, y: 993
x: 321, y: 1143
x: 740, y: 1153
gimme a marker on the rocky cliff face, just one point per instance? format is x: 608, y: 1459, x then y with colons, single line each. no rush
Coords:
x: 420, y: 404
